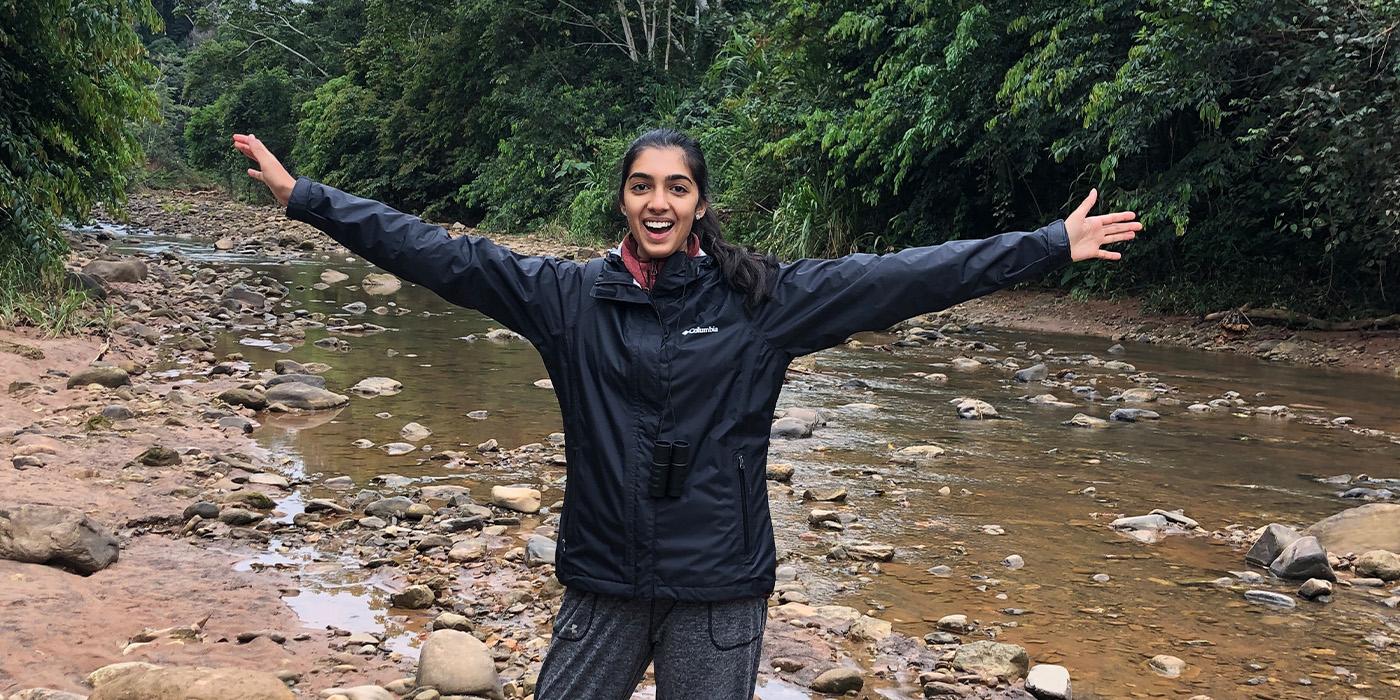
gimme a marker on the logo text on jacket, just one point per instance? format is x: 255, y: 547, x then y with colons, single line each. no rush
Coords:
x: 700, y: 329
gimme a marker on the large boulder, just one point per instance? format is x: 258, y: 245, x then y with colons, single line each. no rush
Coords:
x: 116, y: 270
x: 1270, y: 544
x: 521, y: 499
x: 1379, y: 563
x: 304, y: 396
x: 55, y: 535
x: 377, y: 386
x: 1301, y: 560
x: 1361, y: 529
x: 110, y: 377
x: 193, y: 684
x: 456, y: 663
x: 247, y: 398
x: 989, y: 658
x: 788, y: 427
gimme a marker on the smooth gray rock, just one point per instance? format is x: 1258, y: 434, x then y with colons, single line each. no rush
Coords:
x: 1034, y: 373
x: 243, y: 294
x: 1379, y: 563
x: 415, y: 597
x: 1049, y: 682
x: 244, y: 397
x: 539, y: 550
x: 57, y: 536
x: 117, y: 270
x: 1270, y: 544
x: 838, y: 681
x: 308, y: 379
x: 457, y: 663
x: 1166, y: 665
x: 1132, y: 415
x: 1277, y: 600
x: 305, y: 396
x: 1140, y: 522
x: 1314, y: 588
x: 790, y: 428
x: 1360, y: 529
x: 1303, y: 559
x: 393, y: 507
x: 110, y: 377
x: 1009, y: 661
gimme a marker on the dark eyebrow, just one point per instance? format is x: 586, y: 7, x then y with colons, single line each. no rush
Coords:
x: 669, y: 178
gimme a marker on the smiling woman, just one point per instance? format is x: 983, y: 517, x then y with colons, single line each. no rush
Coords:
x: 667, y: 355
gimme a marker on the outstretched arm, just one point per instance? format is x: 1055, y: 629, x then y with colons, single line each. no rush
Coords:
x: 527, y: 294
x: 818, y: 303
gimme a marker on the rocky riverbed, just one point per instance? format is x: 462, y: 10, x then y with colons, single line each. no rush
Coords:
x: 255, y: 472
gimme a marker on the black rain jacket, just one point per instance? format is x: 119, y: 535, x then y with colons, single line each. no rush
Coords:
x: 611, y: 349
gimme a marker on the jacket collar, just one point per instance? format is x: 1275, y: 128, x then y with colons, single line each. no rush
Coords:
x: 615, y: 281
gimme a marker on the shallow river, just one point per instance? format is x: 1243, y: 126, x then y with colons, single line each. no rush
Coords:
x: 1025, y: 474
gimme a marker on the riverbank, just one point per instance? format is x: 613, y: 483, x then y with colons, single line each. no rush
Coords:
x: 206, y: 213
x: 1124, y: 321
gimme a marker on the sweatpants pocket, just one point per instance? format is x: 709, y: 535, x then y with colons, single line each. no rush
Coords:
x: 575, y: 615
x: 737, y: 623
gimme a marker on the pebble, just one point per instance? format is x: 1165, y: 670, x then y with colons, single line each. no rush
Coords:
x: 838, y: 681
x: 1166, y: 665
x: 1270, y: 598
x: 1315, y: 588
x: 1049, y: 682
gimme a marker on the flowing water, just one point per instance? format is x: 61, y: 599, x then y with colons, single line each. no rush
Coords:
x: 1025, y: 473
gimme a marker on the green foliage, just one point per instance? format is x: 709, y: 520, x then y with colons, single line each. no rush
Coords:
x: 75, y: 82
x: 1254, y: 138
x: 261, y: 104
x: 337, y: 138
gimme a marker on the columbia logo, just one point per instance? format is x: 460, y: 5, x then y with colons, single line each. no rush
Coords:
x: 700, y: 329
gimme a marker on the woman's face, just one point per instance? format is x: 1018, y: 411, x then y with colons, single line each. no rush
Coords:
x: 661, y: 201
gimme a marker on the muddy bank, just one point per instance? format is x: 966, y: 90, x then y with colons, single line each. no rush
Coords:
x: 1123, y: 320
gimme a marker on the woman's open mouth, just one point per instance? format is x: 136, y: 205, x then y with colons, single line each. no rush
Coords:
x: 657, y: 229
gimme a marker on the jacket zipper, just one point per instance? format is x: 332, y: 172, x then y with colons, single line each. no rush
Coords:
x: 744, y: 501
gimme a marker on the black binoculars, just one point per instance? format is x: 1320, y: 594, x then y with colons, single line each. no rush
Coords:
x: 670, y: 465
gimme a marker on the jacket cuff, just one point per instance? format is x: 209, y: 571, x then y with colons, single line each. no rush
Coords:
x: 1057, y: 237
x: 300, y: 199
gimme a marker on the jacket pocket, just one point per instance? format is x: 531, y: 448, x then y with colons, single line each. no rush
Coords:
x: 743, y: 479
x: 575, y: 615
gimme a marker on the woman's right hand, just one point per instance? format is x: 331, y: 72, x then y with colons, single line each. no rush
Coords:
x: 269, y: 171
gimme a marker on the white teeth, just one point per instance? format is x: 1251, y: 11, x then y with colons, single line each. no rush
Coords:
x: 657, y: 225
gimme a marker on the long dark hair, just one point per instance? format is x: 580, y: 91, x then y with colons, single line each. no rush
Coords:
x: 748, y: 272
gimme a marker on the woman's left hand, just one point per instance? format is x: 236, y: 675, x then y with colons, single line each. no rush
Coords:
x: 1089, y: 234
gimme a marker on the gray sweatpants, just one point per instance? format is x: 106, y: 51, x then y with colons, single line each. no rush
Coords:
x: 702, y: 651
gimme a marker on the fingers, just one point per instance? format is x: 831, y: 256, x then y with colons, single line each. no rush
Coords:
x: 1109, y: 255
x: 1121, y: 228
x: 1118, y: 237
x: 256, y: 175
x: 1087, y: 205
x: 1115, y: 217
